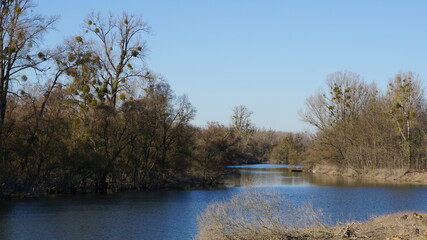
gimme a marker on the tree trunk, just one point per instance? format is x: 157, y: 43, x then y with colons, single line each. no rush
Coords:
x: 408, y: 143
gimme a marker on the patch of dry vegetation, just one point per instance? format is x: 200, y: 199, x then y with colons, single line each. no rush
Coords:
x: 257, y: 215
x: 260, y: 215
x: 359, y: 127
x: 397, y: 175
x: 397, y: 226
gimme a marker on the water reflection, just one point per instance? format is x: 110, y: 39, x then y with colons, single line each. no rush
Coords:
x: 271, y: 176
x: 262, y: 166
x: 281, y: 175
x: 340, y: 181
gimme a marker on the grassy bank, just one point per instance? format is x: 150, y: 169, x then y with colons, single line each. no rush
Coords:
x: 259, y: 215
x: 397, y: 226
x: 383, y: 175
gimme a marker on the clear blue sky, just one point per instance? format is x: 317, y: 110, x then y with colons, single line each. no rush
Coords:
x: 266, y: 55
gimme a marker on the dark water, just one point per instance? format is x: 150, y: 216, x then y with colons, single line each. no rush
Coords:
x: 172, y: 214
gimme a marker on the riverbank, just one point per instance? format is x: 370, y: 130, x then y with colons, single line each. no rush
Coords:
x: 383, y: 175
x: 259, y: 215
x: 167, y: 181
x: 397, y: 226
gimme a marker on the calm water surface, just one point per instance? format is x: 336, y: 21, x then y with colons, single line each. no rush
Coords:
x: 172, y: 214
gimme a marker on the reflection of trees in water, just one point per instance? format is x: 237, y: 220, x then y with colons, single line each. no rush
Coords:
x: 329, y: 180
x: 277, y: 177
x: 268, y: 177
x: 247, y: 179
x: 244, y: 179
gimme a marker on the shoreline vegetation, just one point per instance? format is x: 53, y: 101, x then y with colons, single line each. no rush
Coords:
x: 395, y: 176
x: 165, y: 182
x: 396, y: 226
x: 254, y: 215
x: 359, y: 127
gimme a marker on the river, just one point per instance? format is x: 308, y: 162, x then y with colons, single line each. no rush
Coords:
x: 173, y: 214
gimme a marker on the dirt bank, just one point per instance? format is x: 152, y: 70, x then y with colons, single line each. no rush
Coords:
x: 397, y: 226
x: 385, y: 175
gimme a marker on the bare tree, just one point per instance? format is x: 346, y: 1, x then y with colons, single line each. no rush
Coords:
x: 334, y: 112
x: 20, y: 32
x: 347, y: 96
x: 406, y: 97
x: 117, y: 46
x: 242, y: 123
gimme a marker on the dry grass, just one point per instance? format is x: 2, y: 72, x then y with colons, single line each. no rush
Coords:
x: 397, y: 226
x: 256, y: 215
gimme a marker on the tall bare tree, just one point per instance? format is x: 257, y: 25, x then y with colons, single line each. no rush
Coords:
x: 333, y: 112
x: 242, y: 123
x: 406, y: 97
x: 20, y: 32
x: 111, y: 54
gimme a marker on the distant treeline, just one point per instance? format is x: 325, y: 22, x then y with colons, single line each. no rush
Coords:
x: 358, y: 126
x: 88, y: 116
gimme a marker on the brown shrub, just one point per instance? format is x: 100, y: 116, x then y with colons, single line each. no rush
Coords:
x: 256, y: 215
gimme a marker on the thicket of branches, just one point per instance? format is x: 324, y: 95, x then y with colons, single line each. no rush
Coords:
x: 258, y: 215
x: 358, y: 126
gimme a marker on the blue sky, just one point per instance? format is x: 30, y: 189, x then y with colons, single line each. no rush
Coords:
x: 267, y: 55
